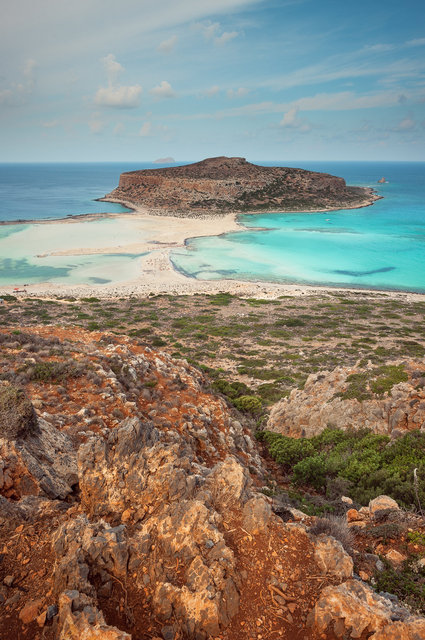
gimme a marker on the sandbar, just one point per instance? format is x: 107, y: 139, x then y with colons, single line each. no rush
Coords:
x: 157, y: 235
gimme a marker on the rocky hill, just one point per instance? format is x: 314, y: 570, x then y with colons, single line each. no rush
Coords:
x: 131, y: 508
x: 233, y: 184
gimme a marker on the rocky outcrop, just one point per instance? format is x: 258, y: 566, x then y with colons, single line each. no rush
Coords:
x: 223, y: 184
x: 353, y: 609
x: 151, y: 480
x: 141, y: 516
x: 331, y: 557
x: 345, y: 398
x: 35, y: 458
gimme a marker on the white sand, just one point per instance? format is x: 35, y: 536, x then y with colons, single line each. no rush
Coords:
x: 141, y: 232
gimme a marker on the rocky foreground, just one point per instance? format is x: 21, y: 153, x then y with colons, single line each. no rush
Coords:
x: 225, y: 184
x: 131, y: 508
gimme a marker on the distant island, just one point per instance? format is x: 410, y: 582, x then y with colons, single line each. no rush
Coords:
x: 167, y: 160
x: 221, y: 185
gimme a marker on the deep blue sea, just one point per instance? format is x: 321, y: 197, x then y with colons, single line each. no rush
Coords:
x: 382, y: 246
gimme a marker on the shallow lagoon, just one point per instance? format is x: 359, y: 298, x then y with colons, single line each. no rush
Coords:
x: 26, y: 252
x: 382, y: 246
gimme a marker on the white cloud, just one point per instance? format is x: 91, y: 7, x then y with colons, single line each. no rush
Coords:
x: 407, y: 124
x: 145, y: 130
x: 114, y: 95
x: 418, y: 42
x: 112, y: 67
x: 226, y: 36
x: 119, y: 97
x: 50, y: 124
x: 378, y: 48
x: 237, y: 93
x: 211, y: 31
x: 167, y: 46
x: 291, y: 120
x: 163, y: 90
x: 19, y: 92
x: 212, y: 91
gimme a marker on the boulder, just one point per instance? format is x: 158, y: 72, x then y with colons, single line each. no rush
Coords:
x: 382, y: 503
x: 353, y: 609
x: 256, y: 515
x: 395, y: 558
x: 331, y: 558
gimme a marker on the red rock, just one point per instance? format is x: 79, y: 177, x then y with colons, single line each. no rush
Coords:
x: 395, y: 558
x: 353, y: 515
x: 30, y: 611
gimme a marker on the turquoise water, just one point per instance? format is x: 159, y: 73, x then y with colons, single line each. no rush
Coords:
x: 27, y: 252
x: 48, y: 191
x: 381, y: 246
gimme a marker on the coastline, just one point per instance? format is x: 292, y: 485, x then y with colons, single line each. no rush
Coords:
x: 157, y: 273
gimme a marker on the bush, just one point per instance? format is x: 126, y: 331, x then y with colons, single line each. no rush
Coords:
x: 55, y: 372
x: 336, y: 527
x: 17, y: 415
x: 361, y: 464
x: 248, y: 404
x: 407, y: 584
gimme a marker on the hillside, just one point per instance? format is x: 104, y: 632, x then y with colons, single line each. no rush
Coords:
x: 232, y: 184
x: 136, y: 502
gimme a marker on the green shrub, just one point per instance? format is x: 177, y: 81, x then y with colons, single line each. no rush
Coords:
x: 248, y: 404
x: 361, y: 464
x: 407, y: 584
x: 55, y: 372
x: 390, y: 375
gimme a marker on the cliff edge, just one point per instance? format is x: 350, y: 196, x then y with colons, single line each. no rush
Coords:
x: 219, y: 185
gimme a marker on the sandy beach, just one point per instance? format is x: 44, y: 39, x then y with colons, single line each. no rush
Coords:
x: 157, y: 235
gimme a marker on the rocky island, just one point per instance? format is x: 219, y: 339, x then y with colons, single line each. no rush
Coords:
x: 221, y: 185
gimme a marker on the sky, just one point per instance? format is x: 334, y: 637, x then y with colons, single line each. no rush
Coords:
x: 139, y: 80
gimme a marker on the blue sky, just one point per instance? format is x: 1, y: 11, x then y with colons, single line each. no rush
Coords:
x: 138, y: 80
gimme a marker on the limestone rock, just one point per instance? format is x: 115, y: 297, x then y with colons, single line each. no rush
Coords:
x: 382, y: 503
x: 331, y: 557
x: 309, y: 411
x: 43, y: 463
x: 30, y: 611
x: 83, y: 550
x: 395, y: 557
x: 256, y: 515
x: 413, y: 630
x: 79, y: 619
x: 354, y: 516
x: 353, y: 608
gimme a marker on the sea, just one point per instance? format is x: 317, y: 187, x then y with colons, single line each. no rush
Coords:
x: 377, y: 247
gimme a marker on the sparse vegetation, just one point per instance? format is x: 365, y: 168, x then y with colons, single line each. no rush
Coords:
x: 369, y: 464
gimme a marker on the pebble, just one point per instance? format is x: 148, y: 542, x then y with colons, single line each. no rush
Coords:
x: 9, y: 580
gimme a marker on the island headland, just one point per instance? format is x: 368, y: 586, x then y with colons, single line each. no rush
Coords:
x: 222, y: 185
